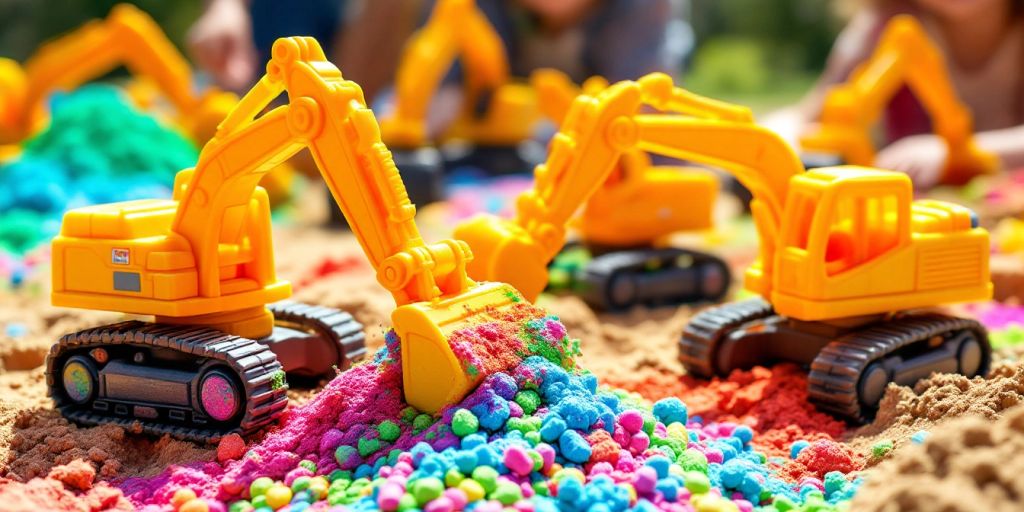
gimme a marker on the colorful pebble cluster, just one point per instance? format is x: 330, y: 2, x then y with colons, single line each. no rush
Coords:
x: 539, y: 436
x: 98, y: 148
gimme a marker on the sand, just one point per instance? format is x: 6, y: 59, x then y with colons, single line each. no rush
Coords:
x: 966, y: 465
x: 635, y: 350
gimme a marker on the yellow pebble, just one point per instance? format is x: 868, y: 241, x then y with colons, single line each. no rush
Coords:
x: 677, y: 431
x: 715, y: 504
x: 553, y: 469
x: 278, y: 496
x: 571, y: 473
x: 675, y: 469
x: 366, y: 491
x: 318, y: 489
x: 194, y: 505
x: 182, y: 496
x: 474, y: 491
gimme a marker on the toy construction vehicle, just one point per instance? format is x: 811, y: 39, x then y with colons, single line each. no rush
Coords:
x: 847, y: 258
x: 598, y: 159
x: 497, y: 116
x: 904, y: 54
x: 130, y: 37
x: 849, y: 265
x: 201, y: 264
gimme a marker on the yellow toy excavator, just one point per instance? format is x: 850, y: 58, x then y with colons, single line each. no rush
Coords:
x: 127, y: 36
x: 847, y: 259
x: 629, y: 205
x: 904, y: 54
x: 497, y: 112
x: 201, y: 264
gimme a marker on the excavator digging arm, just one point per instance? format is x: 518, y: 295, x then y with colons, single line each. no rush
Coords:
x: 756, y: 156
x: 597, y: 131
x: 456, y: 29
x: 328, y: 115
x: 904, y: 55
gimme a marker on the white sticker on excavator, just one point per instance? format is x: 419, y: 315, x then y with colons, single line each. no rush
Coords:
x: 119, y: 256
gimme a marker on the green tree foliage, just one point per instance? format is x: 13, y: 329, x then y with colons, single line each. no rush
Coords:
x: 29, y: 23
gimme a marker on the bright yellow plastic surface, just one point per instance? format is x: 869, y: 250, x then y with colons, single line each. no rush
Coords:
x: 129, y: 37
x: 205, y: 257
x: 597, y: 131
x: 639, y: 204
x: 905, y: 54
x: 835, y: 243
x: 459, y: 30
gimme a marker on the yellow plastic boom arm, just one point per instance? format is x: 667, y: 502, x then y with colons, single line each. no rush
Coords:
x: 596, y: 132
x: 456, y: 29
x: 904, y: 55
x: 328, y: 115
x: 127, y: 36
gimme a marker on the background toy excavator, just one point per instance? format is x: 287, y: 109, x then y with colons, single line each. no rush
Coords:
x: 904, y: 55
x: 202, y: 265
x: 498, y: 114
x: 846, y: 258
x: 630, y: 205
x: 130, y: 37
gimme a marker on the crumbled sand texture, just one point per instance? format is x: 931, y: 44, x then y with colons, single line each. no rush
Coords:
x: 967, y: 464
x: 939, y: 398
x: 635, y: 350
x: 70, y: 487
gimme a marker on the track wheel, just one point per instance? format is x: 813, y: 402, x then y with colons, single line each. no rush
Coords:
x: 80, y: 379
x: 220, y: 396
x: 621, y: 291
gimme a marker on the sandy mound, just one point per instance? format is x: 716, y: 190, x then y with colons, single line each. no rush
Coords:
x: 967, y: 464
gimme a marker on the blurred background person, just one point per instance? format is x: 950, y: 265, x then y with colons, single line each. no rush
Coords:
x: 983, y: 43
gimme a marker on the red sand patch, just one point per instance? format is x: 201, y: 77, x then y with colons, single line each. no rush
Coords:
x: 773, y: 402
x: 66, y: 488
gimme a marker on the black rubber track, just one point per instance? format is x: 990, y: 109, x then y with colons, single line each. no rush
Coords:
x: 253, y: 364
x: 836, y: 372
x: 338, y: 327
x: 698, y: 345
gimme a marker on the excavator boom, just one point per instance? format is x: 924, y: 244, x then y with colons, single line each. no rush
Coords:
x: 596, y: 132
x: 904, y: 55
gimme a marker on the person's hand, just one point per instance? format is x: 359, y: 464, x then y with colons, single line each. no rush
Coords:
x: 221, y: 42
x: 922, y: 157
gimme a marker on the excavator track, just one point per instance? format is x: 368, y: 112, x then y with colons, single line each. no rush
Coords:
x: 651, y: 277
x: 255, y: 370
x: 340, y: 337
x: 843, y: 371
x: 700, y: 339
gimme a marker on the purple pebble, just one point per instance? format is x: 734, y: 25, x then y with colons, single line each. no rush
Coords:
x: 645, y: 480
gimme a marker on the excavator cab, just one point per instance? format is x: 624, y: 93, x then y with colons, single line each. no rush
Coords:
x: 855, y: 239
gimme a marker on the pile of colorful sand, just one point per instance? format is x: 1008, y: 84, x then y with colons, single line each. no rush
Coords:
x: 97, y: 149
x: 538, y: 434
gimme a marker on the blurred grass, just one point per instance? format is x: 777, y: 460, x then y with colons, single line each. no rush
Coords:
x: 741, y: 70
x: 29, y: 23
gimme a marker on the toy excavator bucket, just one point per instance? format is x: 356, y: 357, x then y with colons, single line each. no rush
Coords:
x: 433, y: 376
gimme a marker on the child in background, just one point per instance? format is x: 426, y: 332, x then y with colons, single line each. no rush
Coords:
x: 983, y: 42
x: 616, y: 39
x: 232, y: 38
